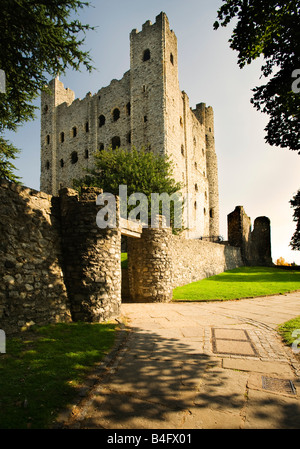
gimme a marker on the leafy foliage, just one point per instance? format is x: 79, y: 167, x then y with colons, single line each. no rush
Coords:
x: 270, y: 29
x: 140, y: 170
x: 7, y: 153
x: 37, y: 39
x: 295, y: 203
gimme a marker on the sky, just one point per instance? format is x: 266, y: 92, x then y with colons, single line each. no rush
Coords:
x: 252, y: 174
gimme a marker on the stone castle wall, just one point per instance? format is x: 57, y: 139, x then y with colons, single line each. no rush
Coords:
x: 56, y: 265
x: 255, y: 244
x: 161, y: 261
x: 32, y: 288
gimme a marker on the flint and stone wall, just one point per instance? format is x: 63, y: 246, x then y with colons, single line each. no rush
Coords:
x: 32, y: 288
x: 91, y: 258
x: 160, y: 261
x: 56, y: 265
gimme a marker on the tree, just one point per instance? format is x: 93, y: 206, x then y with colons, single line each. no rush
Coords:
x: 7, y: 153
x: 37, y: 39
x: 270, y: 29
x: 295, y: 203
x: 140, y: 170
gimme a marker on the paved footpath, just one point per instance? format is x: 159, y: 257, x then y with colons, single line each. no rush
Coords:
x: 215, y: 365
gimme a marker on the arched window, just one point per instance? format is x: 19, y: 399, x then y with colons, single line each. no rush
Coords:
x: 86, y: 154
x: 211, y: 213
x: 74, y: 157
x: 182, y: 150
x: 62, y: 137
x: 47, y: 165
x: 48, y: 139
x: 74, y: 131
x: 146, y: 55
x: 61, y: 162
x: 87, y: 128
x: 101, y: 121
x: 129, y: 137
x: 172, y: 58
x: 101, y: 146
x: 115, y: 142
x: 196, y: 187
x: 116, y: 114
x: 128, y: 109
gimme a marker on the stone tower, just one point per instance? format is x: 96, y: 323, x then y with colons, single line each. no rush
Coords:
x: 145, y: 108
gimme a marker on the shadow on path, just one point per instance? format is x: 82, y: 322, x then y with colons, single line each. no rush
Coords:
x: 163, y: 383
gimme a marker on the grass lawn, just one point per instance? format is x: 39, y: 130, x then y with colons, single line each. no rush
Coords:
x: 42, y: 369
x: 239, y: 283
x: 124, y: 261
x: 290, y: 332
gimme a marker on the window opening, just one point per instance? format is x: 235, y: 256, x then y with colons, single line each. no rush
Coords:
x: 115, y: 142
x: 101, y: 121
x: 74, y: 157
x: 146, y: 55
x: 116, y: 114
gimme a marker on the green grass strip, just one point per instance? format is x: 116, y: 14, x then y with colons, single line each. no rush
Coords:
x: 239, y: 283
x: 41, y: 370
x: 290, y: 332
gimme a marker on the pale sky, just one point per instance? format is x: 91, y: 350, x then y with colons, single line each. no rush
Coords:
x: 261, y: 178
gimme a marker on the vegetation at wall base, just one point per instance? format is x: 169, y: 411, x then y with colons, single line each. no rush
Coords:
x: 290, y: 331
x: 243, y: 282
x: 42, y: 369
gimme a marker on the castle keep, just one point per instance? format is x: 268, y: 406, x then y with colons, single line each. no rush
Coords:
x: 146, y: 108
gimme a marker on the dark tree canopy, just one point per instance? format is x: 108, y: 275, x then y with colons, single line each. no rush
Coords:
x: 8, y: 153
x: 38, y: 39
x: 270, y: 28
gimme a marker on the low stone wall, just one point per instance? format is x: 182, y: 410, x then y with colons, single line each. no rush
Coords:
x: 193, y: 260
x: 161, y: 261
x: 32, y: 288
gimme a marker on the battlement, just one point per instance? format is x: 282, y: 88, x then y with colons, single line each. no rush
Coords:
x: 161, y: 19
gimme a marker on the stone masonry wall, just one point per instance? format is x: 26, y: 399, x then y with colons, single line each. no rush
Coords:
x: 149, y: 266
x: 255, y: 244
x: 92, y: 258
x: 32, y: 289
x: 55, y: 263
x: 161, y: 261
x: 193, y: 260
